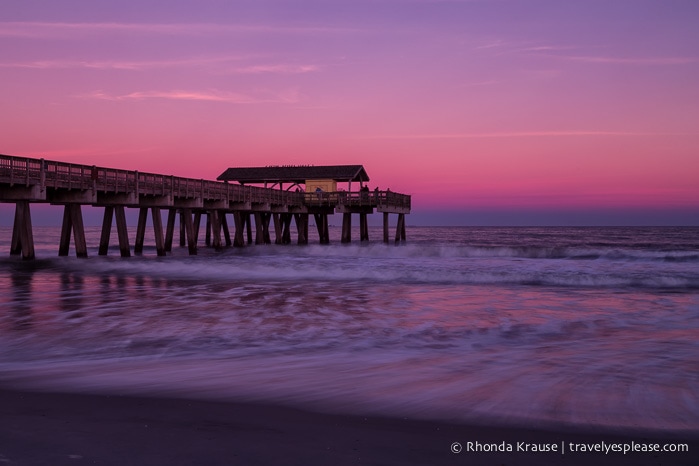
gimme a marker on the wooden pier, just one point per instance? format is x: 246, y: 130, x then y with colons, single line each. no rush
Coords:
x: 24, y: 181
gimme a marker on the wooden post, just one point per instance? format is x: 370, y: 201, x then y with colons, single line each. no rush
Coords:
x: 318, y: 219
x: 170, y: 229
x: 226, y: 231
x: 141, y: 230
x: 122, y: 232
x: 385, y: 227
x: 238, y: 239
x: 248, y: 225
x: 322, y: 226
x: 27, y: 236
x: 215, y: 229
x: 16, y: 245
x: 189, y: 228
x: 363, y: 227
x: 22, y: 235
x: 277, y: 229
x: 286, y: 224
x: 158, y: 230
x: 302, y: 227
x: 72, y: 220
x: 66, y: 229
x: 197, y: 223
x: 207, y: 239
x: 326, y: 239
x: 400, y: 228
x: 183, y: 233
x: 78, y: 231
x: 106, y: 230
x: 346, y: 228
x: 259, y: 229
x: 266, y: 217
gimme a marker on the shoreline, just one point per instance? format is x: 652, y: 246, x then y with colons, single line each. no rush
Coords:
x: 68, y: 428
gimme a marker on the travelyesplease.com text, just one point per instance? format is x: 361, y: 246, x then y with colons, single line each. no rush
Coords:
x: 568, y: 447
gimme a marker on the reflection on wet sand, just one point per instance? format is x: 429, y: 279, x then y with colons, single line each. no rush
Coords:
x: 21, y: 304
x: 71, y: 294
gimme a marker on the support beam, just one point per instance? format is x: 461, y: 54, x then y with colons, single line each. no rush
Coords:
x: 266, y: 218
x: 197, y: 223
x: 248, y: 225
x: 207, y: 239
x: 277, y: 228
x: 190, y: 231
x: 170, y: 229
x: 326, y: 239
x: 22, y: 235
x: 226, y: 231
x: 385, y: 227
x: 363, y: 227
x: 183, y: 234
x: 238, y: 238
x: 215, y: 216
x: 16, y: 245
x: 141, y: 230
x: 262, y: 220
x: 106, y: 230
x: 259, y: 229
x: 286, y: 228
x: 72, y: 221
x: 78, y: 230
x: 158, y: 230
x: 346, y: 228
x: 302, y: 227
x: 66, y: 229
x: 122, y: 232
x: 322, y: 226
x: 400, y: 228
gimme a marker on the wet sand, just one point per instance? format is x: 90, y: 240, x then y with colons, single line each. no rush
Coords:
x: 78, y: 429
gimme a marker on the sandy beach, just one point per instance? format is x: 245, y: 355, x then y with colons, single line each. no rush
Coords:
x: 74, y: 429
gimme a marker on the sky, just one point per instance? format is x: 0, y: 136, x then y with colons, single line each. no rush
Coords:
x: 488, y: 112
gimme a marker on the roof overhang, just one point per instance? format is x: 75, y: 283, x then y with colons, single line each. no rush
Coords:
x: 295, y: 174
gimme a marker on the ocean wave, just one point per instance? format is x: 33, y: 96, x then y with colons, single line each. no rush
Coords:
x: 395, y: 269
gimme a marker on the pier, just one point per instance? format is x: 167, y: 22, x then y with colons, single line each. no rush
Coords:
x: 25, y: 181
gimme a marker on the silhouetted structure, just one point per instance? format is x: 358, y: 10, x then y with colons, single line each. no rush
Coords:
x: 28, y: 180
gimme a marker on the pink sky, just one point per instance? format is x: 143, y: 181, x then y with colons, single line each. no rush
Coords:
x: 507, y: 105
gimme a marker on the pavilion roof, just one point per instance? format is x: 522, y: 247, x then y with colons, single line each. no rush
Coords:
x: 294, y: 173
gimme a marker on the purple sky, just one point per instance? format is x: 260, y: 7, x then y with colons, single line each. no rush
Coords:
x: 502, y: 112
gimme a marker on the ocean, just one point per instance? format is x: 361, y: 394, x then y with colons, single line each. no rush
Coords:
x: 519, y: 326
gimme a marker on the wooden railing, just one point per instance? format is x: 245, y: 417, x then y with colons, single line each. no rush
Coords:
x: 60, y: 175
x: 358, y: 199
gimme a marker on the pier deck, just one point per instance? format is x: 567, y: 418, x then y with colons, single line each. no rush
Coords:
x: 24, y: 181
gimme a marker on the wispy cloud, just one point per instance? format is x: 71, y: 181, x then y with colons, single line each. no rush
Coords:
x: 279, y: 68
x: 514, y: 134
x: 546, y: 48
x: 512, y: 45
x: 634, y: 60
x: 493, y: 44
x: 26, y: 29
x: 289, y: 97
x: 120, y: 64
x: 488, y: 82
x: 566, y: 52
x: 140, y: 65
